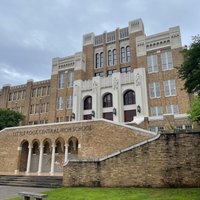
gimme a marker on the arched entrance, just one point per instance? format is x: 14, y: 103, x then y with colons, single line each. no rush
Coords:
x: 46, y: 161
x: 73, y: 147
x: 59, y: 154
x: 24, y: 156
x: 35, y: 156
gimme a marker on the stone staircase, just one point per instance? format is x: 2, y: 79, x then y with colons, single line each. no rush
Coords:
x: 31, y: 181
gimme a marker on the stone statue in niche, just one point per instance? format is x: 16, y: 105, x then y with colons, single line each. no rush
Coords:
x: 115, y: 84
x: 138, y: 79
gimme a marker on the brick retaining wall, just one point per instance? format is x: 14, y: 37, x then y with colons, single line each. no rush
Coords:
x: 171, y: 160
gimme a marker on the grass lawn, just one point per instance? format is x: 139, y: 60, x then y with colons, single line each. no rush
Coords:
x: 122, y: 194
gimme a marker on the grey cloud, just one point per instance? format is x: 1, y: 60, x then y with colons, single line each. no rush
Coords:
x: 33, y: 32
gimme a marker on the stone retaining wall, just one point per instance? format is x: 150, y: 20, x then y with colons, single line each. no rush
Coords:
x: 170, y: 160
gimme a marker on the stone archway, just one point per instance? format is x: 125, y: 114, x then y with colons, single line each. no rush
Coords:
x: 59, y: 154
x: 73, y: 147
x: 35, y: 156
x: 24, y: 156
x: 47, y: 151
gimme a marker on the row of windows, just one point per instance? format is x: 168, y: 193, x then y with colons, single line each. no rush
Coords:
x: 158, y: 111
x: 64, y: 119
x: 110, y: 72
x: 41, y: 91
x: 39, y: 108
x: 19, y: 95
x: 166, y: 61
x: 61, y: 79
x: 45, y: 121
x: 178, y: 127
x: 129, y: 98
x: 112, y: 57
x: 169, y: 88
x: 18, y: 109
x: 60, y: 103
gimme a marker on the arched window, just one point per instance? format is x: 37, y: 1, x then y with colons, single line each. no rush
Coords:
x: 129, y: 97
x: 107, y: 100
x: 114, y: 56
x: 101, y: 59
x: 97, y: 60
x: 122, y: 55
x: 88, y: 103
x: 128, y: 54
x: 109, y: 58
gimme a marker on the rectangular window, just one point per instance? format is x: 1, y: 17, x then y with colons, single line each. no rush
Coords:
x: 99, y: 74
x: 109, y: 58
x: 48, y: 90
x: 156, y: 111
x: 44, y: 90
x: 154, y: 90
x: 125, y: 69
x: 188, y: 127
x: 110, y: 72
x: 60, y: 80
x: 59, y: 103
x: 170, y: 88
x: 39, y: 92
x: 70, y: 79
x: 152, y: 63
x: 179, y: 127
x: 114, y: 57
x: 172, y: 109
x: 69, y: 102
x: 166, y: 59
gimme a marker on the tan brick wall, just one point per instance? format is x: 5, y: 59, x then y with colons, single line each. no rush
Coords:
x: 101, y: 139
x: 172, y: 160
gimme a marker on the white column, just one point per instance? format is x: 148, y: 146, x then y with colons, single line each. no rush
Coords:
x: 19, y: 149
x: 66, y: 153
x: 40, y: 160
x: 53, y: 159
x: 29, y: 159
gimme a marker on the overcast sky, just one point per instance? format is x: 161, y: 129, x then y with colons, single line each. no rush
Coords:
x: 32, y: 32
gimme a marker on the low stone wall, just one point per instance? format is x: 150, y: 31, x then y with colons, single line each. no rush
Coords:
x: 169, y: 160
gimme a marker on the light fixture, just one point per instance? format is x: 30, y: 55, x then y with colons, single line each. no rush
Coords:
x: 73, y: 116
x: 139, y: 108
x: 114, y: 111
x: 93, y: 113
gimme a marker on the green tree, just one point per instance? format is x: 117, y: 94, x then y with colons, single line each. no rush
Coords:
x: 190, y: 69
x: 9, y: 118
x: 194, y: 112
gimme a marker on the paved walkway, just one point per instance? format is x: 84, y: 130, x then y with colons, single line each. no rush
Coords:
x: 8, y: 192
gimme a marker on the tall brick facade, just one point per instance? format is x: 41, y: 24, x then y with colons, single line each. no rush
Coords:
x: 124, y: 60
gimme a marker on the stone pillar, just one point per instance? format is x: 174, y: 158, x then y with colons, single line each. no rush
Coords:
x: 66, y: 153
x: 19, y: 149
x: 40, y: 159
x: 53, y: 159
x: 29, y: 159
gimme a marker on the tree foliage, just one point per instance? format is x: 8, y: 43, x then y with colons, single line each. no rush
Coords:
x: 9, y: 118
x: 194, y: 112
x: 190, y: 69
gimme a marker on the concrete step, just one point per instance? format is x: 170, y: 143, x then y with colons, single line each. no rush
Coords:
x: 32, y: 181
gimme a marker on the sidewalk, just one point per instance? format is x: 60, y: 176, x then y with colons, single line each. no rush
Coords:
x: 8, y: 192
